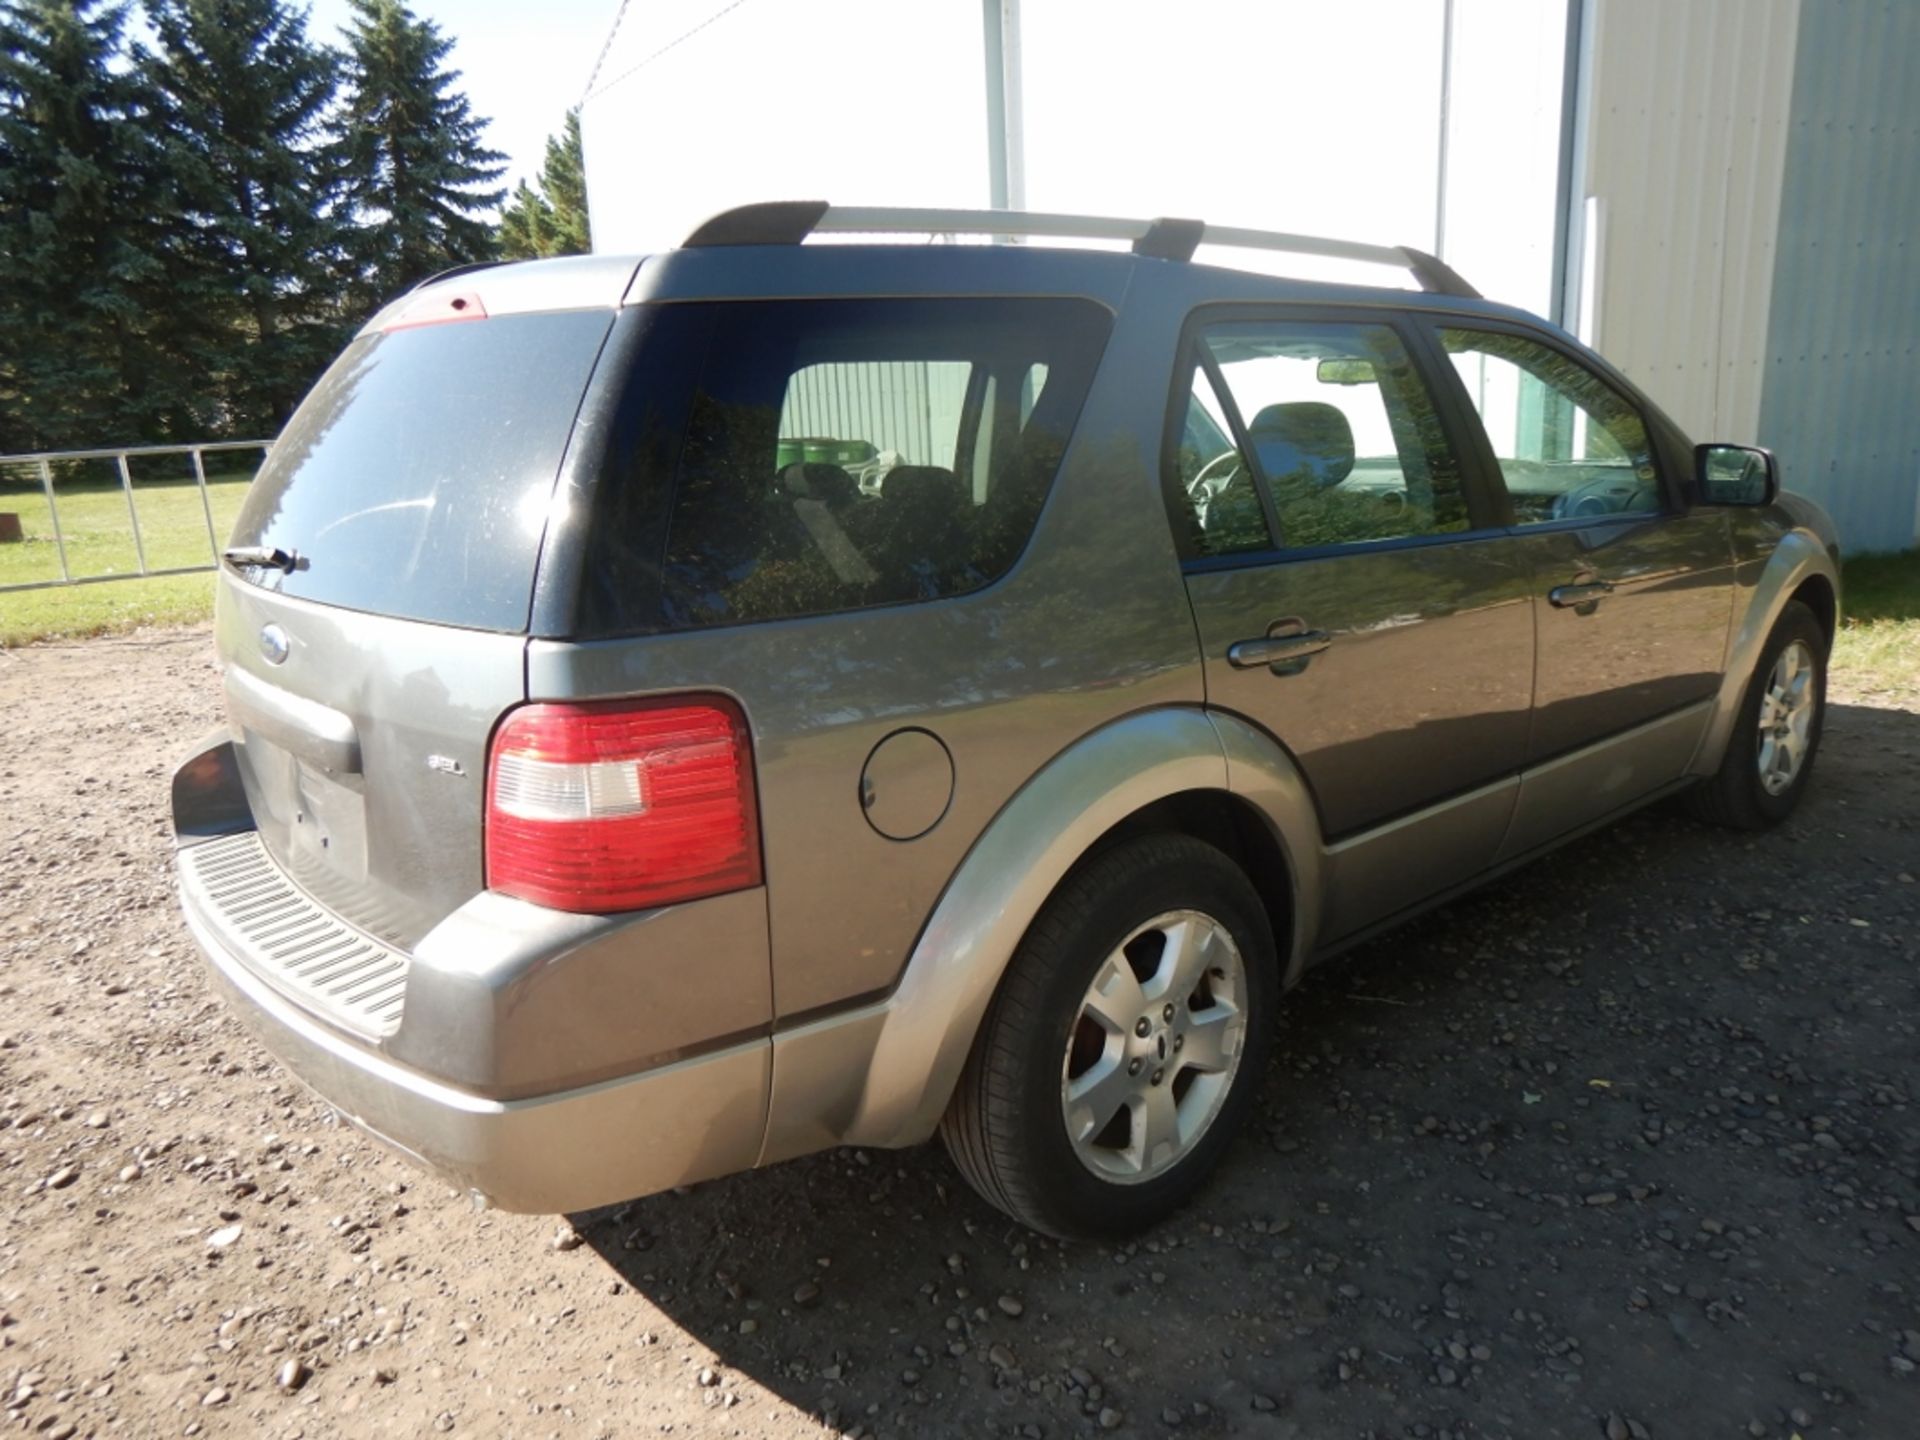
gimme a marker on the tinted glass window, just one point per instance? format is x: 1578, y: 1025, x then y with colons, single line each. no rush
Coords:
x: 891, y: 413
x: 1567, y: 442
x: 1343, y: 432
x: 837, y: 454
x: 1217, y: 502
x: 415, y: 479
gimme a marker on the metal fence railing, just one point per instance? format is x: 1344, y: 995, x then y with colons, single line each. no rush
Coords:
x: 66, y: 470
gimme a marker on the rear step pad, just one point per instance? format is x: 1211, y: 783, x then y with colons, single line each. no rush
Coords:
x: 301, y: 949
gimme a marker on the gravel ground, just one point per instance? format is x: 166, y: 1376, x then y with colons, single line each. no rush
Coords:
x: 1624, y: 1146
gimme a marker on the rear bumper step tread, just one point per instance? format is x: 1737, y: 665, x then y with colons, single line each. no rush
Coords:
x: 291, y: 942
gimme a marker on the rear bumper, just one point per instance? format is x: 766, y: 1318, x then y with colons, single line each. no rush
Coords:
x: 544, y: 1154
x: 549, y: 1062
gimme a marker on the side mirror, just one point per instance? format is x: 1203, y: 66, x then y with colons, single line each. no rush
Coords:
x: 1735, y: 475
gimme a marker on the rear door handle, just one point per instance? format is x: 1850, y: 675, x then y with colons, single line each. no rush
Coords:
x: 1277, y: 649
x: 1585, y: 593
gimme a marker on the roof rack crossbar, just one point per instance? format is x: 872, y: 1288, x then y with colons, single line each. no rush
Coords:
x: 788, y: 222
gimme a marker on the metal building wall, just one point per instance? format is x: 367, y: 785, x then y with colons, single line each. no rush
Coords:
x: 1680, y: 151
x: 1842, y: 396
x: 910, y: 407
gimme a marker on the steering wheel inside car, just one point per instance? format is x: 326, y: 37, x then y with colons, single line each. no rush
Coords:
x: 1606, y: 495
x: 1214, y: 477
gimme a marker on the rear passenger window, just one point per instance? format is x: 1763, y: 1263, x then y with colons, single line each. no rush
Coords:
x: 1339, y: 429
x: 847, y: 453
x: 1568, y: 444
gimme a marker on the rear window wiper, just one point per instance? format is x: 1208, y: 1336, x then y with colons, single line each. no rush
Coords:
x: 266, y: 557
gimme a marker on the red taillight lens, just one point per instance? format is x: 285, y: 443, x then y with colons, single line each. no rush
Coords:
x: 621, y: 806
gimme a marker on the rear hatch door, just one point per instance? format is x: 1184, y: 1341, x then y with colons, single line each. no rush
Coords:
x: 373, y: 623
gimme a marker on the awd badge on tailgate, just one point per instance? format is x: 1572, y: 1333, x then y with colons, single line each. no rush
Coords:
x: 274, y: 644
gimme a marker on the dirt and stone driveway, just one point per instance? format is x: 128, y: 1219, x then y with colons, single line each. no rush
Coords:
x: 1627, y: 1145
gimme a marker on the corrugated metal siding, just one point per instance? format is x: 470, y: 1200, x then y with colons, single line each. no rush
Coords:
x: 1685, y: 144
x: 911, y: 407
x: 1842, y: 397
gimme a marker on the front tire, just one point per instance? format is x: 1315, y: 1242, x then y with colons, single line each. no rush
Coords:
x: 1776, y: 734
x: 1125, y: 1044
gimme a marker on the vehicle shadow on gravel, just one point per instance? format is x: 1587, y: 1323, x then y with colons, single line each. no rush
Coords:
x: 1623, y: 1145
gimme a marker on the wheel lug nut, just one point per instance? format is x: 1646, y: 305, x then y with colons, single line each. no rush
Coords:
x: 1144, y: 1028
x: 1133, y: 1067
x: 1158, y: 1076
x: 1167, y: 1014
x: 1178, y: 1042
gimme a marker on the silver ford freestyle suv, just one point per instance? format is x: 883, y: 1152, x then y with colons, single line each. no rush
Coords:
x: 685, y: 713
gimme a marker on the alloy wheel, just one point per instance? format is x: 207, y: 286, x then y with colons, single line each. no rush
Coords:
x: 1786, y: 718
x: 1155, y: 1048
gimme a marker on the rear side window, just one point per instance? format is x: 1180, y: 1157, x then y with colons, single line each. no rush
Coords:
x: 1344, y: 441
x: 839, y: 454
x: 415, y: 478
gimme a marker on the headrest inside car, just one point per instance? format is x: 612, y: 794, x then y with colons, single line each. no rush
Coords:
x: 1304, y: 439
x: 927, y: 487
x: 814, y: 481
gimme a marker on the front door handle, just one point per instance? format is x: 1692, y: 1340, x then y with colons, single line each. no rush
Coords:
x: 1587, y: 592
x: 1277, y: 650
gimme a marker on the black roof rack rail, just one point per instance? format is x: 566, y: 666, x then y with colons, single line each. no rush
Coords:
x: 773, y: 222
x: 788, y: 222
x: 1436, y: 276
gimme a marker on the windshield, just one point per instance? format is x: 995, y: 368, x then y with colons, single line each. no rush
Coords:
x: 414, y: 480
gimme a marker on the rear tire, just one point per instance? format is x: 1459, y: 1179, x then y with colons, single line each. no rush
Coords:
x: 1776, y: 733
x: 1125, y: 1044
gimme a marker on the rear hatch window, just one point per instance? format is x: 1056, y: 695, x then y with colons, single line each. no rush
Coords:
x: 414, y: 480
x: 806, y: 457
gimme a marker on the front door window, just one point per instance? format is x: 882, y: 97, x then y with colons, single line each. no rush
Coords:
x: 1568, y: 444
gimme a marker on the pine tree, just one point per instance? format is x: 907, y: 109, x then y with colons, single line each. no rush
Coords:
x: 553, y: 219
x: 256, y: 256
x: 526, y: 226
x: 77, y: 180
x: 418, y: 172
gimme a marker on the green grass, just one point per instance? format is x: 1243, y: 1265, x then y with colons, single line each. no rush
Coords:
x: 98, y: 537
x: 85, y: 610
x: 1879, y: 641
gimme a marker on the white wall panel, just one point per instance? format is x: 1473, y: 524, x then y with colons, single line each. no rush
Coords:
x: 1842, y: 404
x: 1503, y: 169
x: 912, y: 408
x: 1684, y: 129
x: 705, y: 104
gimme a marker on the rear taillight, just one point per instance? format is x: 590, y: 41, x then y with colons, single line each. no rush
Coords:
x: 621, y: 806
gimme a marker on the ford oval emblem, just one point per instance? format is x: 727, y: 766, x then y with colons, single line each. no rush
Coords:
x: 274, y: 644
